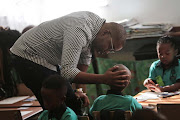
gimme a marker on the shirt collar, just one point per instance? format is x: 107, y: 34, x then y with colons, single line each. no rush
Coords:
x: 174, y: 63
x: 114, y: 92
x: 57, y: 113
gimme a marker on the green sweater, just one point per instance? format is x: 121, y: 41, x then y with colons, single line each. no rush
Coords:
x: 68, y: 115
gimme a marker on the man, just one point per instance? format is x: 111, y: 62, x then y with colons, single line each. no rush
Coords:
x: 67, y: 42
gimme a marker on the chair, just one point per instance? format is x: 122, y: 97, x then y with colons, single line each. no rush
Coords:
x: 97, y: 115
x: 171, y: 111
x: 10, y: 115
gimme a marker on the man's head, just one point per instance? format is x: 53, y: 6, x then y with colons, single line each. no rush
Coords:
x: 53, y: 92
x: 110, y: 38
x: 27, y: 28
x: 128, y: 72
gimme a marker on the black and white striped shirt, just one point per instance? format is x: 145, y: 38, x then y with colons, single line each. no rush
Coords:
x: 64, y: 41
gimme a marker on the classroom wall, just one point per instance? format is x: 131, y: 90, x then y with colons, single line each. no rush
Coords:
x: 145, y: 11
x: 20, y: 13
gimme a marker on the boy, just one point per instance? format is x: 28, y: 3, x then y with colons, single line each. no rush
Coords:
x: 53, y: 92
x: 114, y: 98
x: 164, y: 74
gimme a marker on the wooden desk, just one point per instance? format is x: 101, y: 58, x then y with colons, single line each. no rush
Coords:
x: 168, y: 107
x: 168, y: 100
x: 32, y: 111
x: 22, y: 103
x: 32, y: 107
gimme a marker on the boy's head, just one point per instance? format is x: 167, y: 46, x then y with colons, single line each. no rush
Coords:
x: 166, y: 50
x: 53, y: 92
x: 128, y: 72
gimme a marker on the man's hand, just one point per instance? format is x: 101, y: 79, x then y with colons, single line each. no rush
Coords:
x: 83, y: 97
x: 116, y: 78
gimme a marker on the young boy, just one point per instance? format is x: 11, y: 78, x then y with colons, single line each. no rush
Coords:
x: 114, y: 98
x: 54, y: 94
x: 164, y: 74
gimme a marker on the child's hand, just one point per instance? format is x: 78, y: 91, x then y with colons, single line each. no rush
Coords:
x: 155, y: 88
x: 83, y: 97
x: 148, y: 83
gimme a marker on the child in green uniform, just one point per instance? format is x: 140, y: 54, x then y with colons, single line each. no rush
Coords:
x: 164, y: 74
x: 54, y: 94
x: 115, y: 99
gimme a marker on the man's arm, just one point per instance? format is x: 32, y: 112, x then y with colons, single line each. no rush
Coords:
x: 109, y: 77
x: 72, y: 48
x: 83, y: 68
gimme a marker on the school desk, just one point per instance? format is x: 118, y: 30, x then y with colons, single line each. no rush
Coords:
x: 27, y: 106
x: 19, y: 101
x: 152, y: 102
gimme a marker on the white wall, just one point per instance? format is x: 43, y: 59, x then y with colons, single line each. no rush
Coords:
x: 145, y: 11
x: 17, y: 14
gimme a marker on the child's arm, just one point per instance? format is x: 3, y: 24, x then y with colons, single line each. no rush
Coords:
x: 79, y: 94
x: 168, y: 88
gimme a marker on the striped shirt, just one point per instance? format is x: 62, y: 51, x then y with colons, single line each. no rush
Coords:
x: 64, y: 41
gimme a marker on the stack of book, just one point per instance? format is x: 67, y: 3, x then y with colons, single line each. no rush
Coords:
x: 136, y: 30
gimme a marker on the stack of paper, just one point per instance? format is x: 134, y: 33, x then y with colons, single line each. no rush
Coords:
x: 13, y: 100
x: 128, y: 22
x: 136, y: 30
x: 147, y: 96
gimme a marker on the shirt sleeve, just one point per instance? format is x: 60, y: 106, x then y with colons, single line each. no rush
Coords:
x: 177, y: 73
x: 74, y: 41
x: 152, y: 73
x: 135, y: 105
x: 43, y: 115
x: 94, y: 106
x: 70, y: 117
x: 85, y: 57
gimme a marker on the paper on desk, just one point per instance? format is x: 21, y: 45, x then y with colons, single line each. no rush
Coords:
x: 168, y: 94
x: 13, y: 100
x: 147, y: 96
x: 25, y: 112
x: 23, y: 108
x: 33, y: 98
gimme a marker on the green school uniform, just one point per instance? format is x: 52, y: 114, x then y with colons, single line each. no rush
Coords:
x: 165, y: 77
x: 115, y: 101
x: 68, y: 115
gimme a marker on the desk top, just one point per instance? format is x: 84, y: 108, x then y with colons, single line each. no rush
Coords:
x: 27, y: 108
x: 169, y: 100
x: 22, y: 103
x: 26, y: 113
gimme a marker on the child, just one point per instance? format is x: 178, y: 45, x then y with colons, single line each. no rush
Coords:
x: 54, y: 94
x: 114, y: 98
x: 164, y: 74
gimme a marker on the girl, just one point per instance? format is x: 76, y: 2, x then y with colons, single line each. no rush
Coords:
x: 164, y: 74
